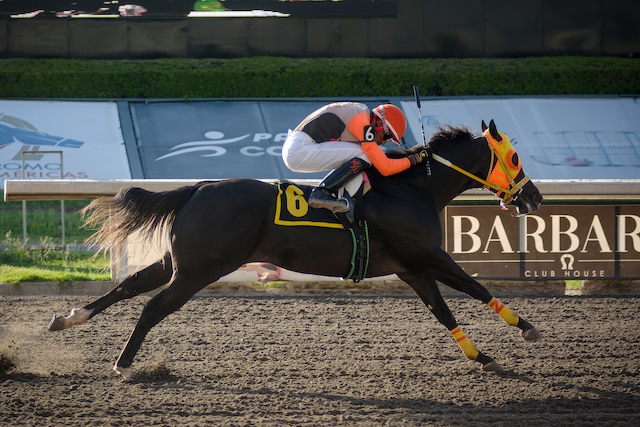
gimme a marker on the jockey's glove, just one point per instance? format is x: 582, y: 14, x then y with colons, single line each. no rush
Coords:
x: 421, y: 156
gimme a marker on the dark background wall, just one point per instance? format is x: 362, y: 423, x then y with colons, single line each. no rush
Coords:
x: 417, y: 28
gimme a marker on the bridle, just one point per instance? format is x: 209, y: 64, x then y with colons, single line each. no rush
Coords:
x: 502, y: 174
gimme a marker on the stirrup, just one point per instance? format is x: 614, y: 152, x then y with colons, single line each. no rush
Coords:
x: 320, y: 198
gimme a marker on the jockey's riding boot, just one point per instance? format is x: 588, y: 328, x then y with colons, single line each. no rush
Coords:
x: 323, y: 195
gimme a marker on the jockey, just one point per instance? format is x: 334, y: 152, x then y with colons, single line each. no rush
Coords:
x: 346, y: 137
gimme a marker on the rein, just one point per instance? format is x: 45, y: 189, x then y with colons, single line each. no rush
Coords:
x: 507, y: 194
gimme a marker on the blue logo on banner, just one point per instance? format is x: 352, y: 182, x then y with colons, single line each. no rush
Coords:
x: 10, y: 134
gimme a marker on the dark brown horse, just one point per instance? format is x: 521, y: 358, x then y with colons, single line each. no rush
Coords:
x: 213, y: 228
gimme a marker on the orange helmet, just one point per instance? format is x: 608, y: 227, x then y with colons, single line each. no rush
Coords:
x: 394, y: 124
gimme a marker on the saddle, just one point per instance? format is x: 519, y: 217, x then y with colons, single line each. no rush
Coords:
x: 292, y: 210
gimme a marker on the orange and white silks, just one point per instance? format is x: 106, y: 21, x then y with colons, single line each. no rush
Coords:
x: 385, y: 165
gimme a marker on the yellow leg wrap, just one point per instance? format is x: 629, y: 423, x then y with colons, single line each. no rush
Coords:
x: 503, y: 311
x: 466, y: 346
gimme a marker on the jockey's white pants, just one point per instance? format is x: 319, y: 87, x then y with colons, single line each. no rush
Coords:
x: 302, y: 154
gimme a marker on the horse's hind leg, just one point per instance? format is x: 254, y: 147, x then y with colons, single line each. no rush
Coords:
x: 428, y: 291
x: 146, y: 280
x: 166, y: 302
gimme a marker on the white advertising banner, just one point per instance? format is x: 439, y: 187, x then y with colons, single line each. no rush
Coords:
x: 61, y: 139
x: 556, y: 137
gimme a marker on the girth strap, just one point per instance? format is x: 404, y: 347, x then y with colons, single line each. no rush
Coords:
x: 360, y: 255
x: 359, y: 238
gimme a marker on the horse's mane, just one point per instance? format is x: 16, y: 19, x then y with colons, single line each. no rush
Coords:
x: 444, y: 134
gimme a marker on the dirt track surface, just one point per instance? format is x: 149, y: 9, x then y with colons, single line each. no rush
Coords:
x: 323, y: 361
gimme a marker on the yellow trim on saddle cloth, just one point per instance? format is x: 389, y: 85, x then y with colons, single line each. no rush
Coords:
x: 292, y: 209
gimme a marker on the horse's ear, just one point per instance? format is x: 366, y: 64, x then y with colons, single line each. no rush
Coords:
x: 484, y: 126
x: 493, y: 130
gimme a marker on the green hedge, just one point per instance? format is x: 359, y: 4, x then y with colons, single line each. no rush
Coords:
x: 318, y: 77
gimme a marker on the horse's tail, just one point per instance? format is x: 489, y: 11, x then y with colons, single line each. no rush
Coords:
x: 133, y: 209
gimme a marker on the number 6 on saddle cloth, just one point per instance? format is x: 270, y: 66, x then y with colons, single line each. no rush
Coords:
x: 292, y: 210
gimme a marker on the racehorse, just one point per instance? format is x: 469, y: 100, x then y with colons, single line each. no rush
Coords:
x: 213, y: 228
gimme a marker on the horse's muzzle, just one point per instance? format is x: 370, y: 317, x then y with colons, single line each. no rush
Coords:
x: 529, y: 199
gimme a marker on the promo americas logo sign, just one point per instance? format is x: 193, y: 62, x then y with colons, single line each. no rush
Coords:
x: 76, y: 139
x: 18, y: 132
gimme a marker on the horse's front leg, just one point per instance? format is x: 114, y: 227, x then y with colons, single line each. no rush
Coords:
x: 450, y: 273
x: 428, y: 291
x: 146, y: 280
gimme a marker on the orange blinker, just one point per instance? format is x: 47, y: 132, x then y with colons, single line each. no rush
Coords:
x: 508, y: 165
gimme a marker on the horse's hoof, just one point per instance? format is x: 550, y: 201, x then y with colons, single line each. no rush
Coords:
x: 58, y: 323
x: 492, y: 367
x: 530, y: 334
x: 527, y: 331
x: 77, y: 317
x: 126, y: 373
